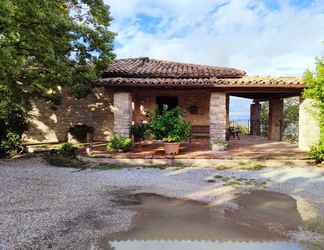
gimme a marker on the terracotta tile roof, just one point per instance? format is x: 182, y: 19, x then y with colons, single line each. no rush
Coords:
x: 255, y: 82
x: 151, y: 68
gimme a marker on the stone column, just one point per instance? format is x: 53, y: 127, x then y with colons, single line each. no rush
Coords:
x: 309, y: 125
x: 122, y: 110
x: 275, y: 119
x: 217, y: 116
x: 227, y: 110
x: 255, y: 109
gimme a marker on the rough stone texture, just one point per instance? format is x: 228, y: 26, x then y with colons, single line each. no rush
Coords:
x: 227, y: 110
x: 275, y: 119
x: 50, y: 123
x: 217, y: 116
x: 122, y: 113
x: 146, y: 100
x: 255, y: 109
x: 309, y: 126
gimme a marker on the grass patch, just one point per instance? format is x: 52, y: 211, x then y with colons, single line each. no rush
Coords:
x: 66, y: 162
x: 108, y: 166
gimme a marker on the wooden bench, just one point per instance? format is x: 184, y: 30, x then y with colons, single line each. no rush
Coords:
x: 199, y: 131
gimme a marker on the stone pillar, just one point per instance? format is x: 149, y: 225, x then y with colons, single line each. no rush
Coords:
x: 122, y: 110
x: 227, y: 111
x: 255, y: 109
x: 275, y: 119
x: 309, y: 125
x: 217, y: 116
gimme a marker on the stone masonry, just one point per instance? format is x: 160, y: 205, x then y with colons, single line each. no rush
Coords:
x: 122, y: 110
x: 51, y: 123
x: 255, y: 128
x: 275, y: 119
x: 217, y: 116
x: 309, y: 125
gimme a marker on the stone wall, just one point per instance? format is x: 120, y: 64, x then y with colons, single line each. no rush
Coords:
x: 309, y: 125
x: 122, y: 113
x: 49, y: 123
x: 146, y: 100
x: 217, y: 116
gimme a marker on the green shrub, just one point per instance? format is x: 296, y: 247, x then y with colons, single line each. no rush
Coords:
x: 119, y: 143
x: 317, y: 152
x: 80, y: 132
x: 169, y: 125
x: 66, y: 162
x: 12, y: 122
x: 140, y: 131
x: 11, y: 145
x: 67, y: 150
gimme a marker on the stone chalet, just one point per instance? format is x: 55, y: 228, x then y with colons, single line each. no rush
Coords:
x: 131, y: 86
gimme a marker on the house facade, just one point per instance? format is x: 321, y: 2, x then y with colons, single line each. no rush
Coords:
x: 130, y: 87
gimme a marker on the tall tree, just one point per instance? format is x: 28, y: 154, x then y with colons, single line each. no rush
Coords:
x: 46, y: 45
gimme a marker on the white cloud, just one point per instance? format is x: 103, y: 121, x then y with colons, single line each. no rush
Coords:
x: 239, y: 33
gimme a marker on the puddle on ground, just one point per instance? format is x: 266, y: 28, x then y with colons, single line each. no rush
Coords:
x: 261, y: 222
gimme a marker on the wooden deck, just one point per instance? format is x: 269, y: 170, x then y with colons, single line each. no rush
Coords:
x: 251, y: 147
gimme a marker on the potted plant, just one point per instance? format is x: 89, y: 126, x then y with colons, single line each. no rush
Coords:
x: 219, y: 145
x: 171, y: 127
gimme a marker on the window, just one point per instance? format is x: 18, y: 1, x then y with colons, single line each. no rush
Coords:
x: 170, y: 101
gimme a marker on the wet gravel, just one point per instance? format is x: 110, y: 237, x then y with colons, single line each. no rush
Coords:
x: 44, y: 207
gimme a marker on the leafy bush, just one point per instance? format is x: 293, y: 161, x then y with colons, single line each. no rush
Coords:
x: 317, y: 152
x: 119, y: 143
x: 140, y: 131
x: 67, y: 162
x: 67, y: 150
x: 169, y: 125
x: 12, y: 122
x: 80, y: 132
x: 11, y: 145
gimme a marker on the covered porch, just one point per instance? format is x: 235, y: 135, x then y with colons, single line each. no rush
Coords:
x: 203, y: 93
x: 248, y: 147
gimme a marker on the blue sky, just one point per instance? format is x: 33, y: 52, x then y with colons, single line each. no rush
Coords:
x: 264, y: 37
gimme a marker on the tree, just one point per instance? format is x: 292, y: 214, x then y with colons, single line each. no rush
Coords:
x: 290, y: 119
x: 47, y: 45
x: 315, y: 89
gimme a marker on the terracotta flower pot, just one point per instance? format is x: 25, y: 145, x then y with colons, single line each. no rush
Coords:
x: 171, y: 148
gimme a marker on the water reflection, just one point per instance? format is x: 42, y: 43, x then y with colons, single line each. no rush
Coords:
x: 261, y: 223
x: 202, y: 245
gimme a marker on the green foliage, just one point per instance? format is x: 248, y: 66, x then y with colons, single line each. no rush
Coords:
x: 80, y: 132
x: 67, y: 150
x: 140, y: 131
x: 119, y: 143
x: 11, y: 145
x: 244, y: 130
x: 169, y: 125
x: 12, y: 122
x: 46, y: 45
x: 317, y: 152
x: 66, y: 162
x: 315, y: 90
x: 264, y: 118
x: 290, y: 119
x: 221, y: 142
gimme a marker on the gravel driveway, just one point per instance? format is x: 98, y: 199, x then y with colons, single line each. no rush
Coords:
x: 44, y: 207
